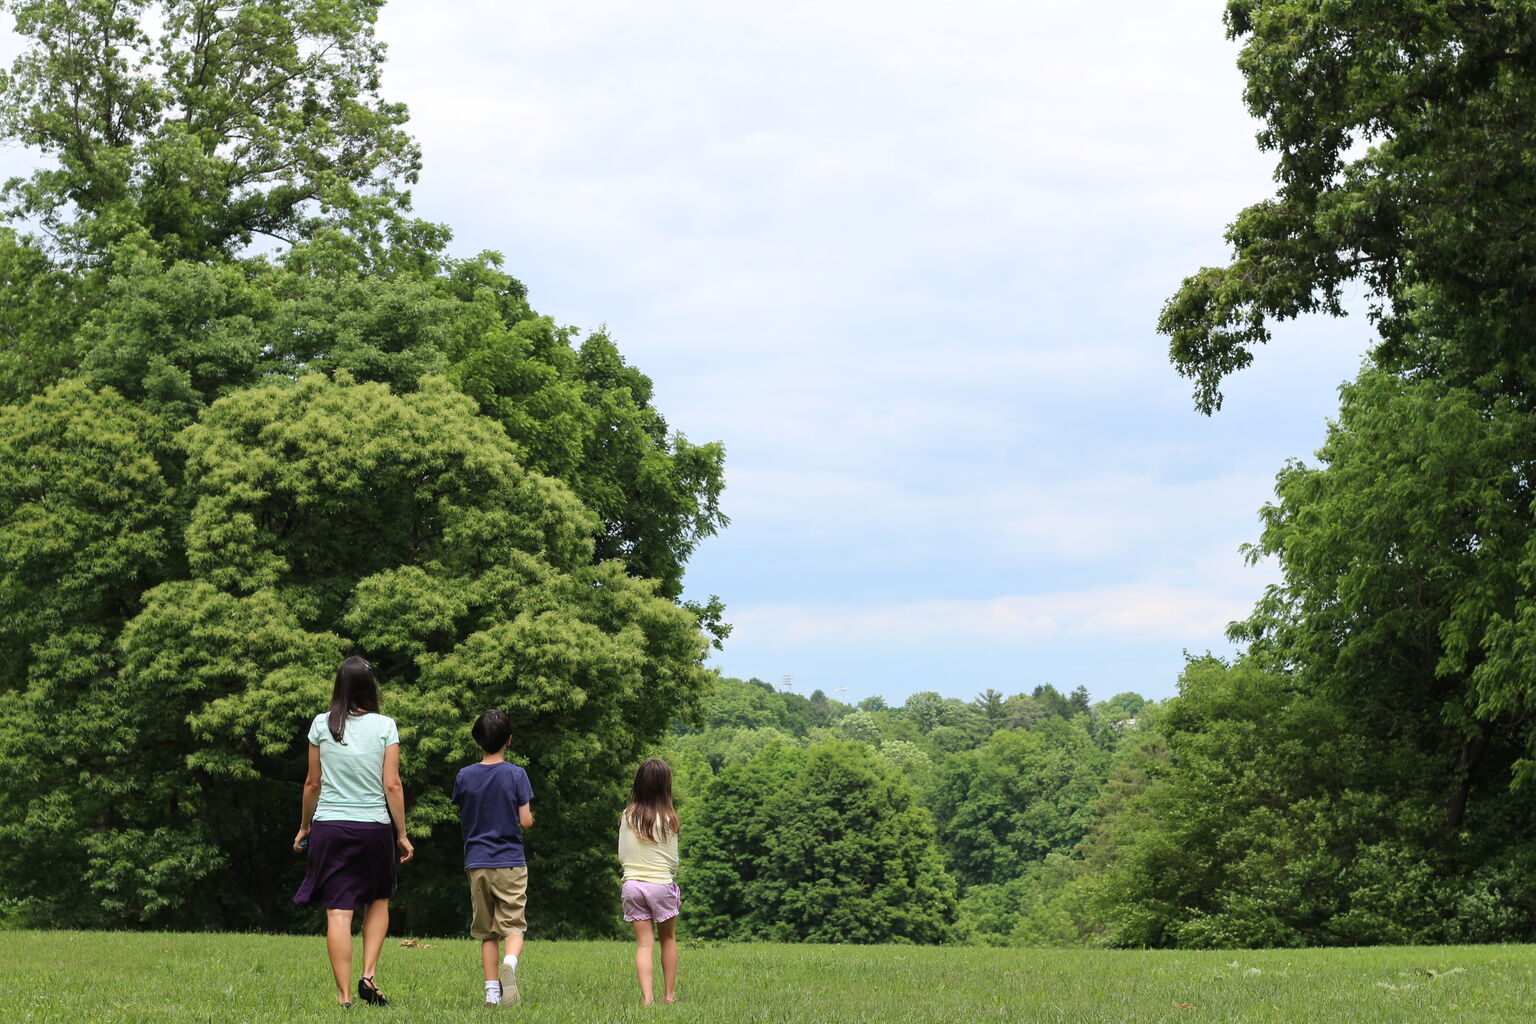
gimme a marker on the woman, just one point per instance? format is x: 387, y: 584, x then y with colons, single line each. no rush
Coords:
x: 353, y: 822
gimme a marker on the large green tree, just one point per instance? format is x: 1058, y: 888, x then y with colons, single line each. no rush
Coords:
x: 1404, y: 142
x: 224, y: 465
x: 1409, y: 574
x: 176, y: 644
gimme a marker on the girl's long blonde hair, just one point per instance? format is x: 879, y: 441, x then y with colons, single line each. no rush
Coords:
x: 650, y: 812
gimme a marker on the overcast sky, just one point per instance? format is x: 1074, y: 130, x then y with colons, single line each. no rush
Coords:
x: 905, y: 261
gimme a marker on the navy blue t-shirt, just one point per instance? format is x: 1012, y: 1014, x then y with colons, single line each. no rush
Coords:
x: 488, y: 796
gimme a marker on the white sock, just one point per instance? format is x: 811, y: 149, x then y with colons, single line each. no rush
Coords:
x: 510, y: 961
x: 493, y: 991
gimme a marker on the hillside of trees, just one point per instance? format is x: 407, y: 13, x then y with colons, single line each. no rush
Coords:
x: 940, y: 820
x: 1242, y: 812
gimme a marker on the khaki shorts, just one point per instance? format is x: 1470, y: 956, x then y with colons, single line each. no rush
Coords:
x: 498, y: 898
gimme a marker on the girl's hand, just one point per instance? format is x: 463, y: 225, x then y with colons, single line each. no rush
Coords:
x: 407, y: 851
x: 298, y: 839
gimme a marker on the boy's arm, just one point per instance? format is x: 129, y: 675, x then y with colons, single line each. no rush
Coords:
x: 524, y: 793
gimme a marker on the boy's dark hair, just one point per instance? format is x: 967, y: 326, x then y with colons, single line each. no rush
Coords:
x: 492, y: 730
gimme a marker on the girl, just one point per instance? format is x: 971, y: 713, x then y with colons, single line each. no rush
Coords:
x: 353, y: 824
x: 648, y: 851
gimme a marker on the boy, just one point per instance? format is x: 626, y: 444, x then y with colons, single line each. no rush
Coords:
x: 493, y: 798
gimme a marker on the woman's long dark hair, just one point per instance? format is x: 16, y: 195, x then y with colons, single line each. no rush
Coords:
x: 650, y: 811
x: 355, y: 688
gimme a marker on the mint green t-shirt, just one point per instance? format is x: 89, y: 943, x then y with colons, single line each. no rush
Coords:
x: 352, y: 771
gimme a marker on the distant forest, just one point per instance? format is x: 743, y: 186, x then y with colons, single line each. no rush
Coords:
x: 1238, y: 813
x: 940, y: 820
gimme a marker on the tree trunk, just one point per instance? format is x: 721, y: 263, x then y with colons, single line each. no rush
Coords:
x: 1472, y: 751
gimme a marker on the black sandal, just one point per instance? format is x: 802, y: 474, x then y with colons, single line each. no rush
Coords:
x: 369, y: 992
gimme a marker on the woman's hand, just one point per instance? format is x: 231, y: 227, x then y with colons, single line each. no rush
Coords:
x: 298, y: 840
x: 407, y: 851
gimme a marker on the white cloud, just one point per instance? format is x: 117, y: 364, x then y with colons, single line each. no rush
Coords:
x: 1180, y: 614
x: 1131, y: 522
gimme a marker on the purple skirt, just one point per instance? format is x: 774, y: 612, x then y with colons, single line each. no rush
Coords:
x: 350, y: 863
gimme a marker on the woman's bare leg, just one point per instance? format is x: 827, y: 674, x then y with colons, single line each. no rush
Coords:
x: 338, y: 944
x: 644, y: 947
x: 666, y: 931
x: 375, y: 927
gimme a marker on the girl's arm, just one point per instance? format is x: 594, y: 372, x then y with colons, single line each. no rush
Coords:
x: 394, y: 796
x: 311, y: 797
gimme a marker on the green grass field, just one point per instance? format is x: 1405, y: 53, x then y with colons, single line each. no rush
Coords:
x: 110, y: 977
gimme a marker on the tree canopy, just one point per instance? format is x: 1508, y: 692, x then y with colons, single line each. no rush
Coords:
x: 204, y: 125
x: 1403, y: 144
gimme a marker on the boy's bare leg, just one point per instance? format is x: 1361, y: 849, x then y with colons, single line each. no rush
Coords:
x: 506, y: 973
x: 666, y: 931
x: 644, y: 947
x: 338, y: 944
x: 375, y: 927
x: 490, y: 957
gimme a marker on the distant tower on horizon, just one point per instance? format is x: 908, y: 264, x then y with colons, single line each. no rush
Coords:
x: 786, y: 683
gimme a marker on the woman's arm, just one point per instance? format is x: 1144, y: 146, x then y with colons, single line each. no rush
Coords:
x: 311, y: 797
x: 394, y: 796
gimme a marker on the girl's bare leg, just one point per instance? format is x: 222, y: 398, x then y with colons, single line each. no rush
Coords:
x: 338, y: 944
x: 375, y: 927
x: 666, y: 931
x: 645, y: 945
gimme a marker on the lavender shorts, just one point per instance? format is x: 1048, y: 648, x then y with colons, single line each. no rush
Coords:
x: 651, y: 901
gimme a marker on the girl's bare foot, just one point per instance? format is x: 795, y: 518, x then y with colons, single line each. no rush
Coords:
x: 669, y: 1000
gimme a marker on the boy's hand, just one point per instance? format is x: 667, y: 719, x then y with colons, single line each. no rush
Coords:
x: 407, y: 851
